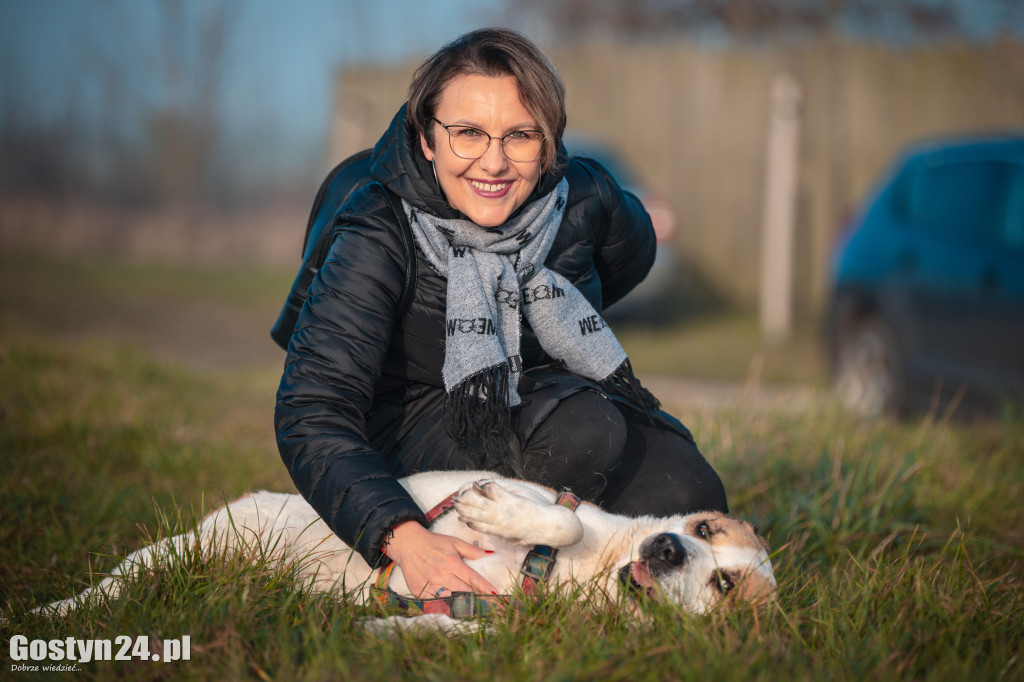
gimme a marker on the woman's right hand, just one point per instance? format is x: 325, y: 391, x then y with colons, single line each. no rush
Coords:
x: 430, y: 562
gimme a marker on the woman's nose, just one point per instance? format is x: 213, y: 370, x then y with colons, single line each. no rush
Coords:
x: 494, y: 161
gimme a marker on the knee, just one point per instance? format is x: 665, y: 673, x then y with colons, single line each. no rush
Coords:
x: 594, y: 435
x: 663, y: 474
x: 706, y: 492
x: 579, y: 445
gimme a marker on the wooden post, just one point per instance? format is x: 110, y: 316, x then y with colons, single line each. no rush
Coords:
x: 778, y: 219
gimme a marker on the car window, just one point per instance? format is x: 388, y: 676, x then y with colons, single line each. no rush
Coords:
x: 962, y: 200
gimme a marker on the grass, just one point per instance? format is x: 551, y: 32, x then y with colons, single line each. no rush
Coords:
x: 899, y: 545
x: 33, y: 294
x: 727, y: 346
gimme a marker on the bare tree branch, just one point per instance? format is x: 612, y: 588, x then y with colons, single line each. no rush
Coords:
x: 575, y: 19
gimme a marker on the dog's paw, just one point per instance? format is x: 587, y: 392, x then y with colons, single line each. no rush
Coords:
x: 488, y: 507
x: 483, y: 501
x: 492, y: 490
x: 523, y: 519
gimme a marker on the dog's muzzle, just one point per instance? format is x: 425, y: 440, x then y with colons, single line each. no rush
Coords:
x: 658, y: 555
x: 663, y: 553
x: 636, y: 578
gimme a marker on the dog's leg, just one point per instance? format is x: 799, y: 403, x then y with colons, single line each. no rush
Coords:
x: 489, y: 507
x: 427, y: 622
x: 257, y: 525
x: 136, y: 562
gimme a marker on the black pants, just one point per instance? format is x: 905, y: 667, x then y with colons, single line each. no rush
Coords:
x: 619, y: 460
x: 568, y: 435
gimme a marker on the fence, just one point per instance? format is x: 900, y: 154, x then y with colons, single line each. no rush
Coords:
x: 691, y: 122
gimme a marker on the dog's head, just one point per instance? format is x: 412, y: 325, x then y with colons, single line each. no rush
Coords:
x: 700, y: 560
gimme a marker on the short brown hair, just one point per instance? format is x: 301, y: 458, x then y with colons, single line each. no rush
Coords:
x: 493, y: 52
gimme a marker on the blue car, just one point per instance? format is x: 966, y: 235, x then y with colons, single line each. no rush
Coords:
x: 927, y: 302
x: 648, y: 302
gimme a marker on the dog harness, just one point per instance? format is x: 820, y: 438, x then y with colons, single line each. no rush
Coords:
x: 536, y: 569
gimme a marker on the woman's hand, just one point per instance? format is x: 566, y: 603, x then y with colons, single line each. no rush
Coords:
x: 430, y: 561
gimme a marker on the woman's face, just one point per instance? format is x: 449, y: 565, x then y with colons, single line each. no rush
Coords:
x: 486, y: 190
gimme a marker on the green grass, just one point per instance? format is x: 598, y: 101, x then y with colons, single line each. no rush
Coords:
x: 239, y: 285
x: 727, y: 346
x: 899, y: 545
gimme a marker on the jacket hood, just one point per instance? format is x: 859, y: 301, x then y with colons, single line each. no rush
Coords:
x: 398, y: 163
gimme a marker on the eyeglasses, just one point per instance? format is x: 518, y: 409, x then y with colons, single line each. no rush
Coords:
x: 467, y: 142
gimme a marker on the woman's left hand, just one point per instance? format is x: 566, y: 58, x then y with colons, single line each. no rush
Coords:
x: 433, y: 563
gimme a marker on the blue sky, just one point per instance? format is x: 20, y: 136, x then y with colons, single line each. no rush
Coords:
x: 57, y: 55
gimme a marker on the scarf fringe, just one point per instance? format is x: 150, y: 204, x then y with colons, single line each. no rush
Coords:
x: 625, y: 383
x: 477, y: 414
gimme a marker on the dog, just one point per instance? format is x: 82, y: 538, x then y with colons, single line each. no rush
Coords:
x: 694, y: 561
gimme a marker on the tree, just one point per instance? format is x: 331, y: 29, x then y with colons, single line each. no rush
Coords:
x: 184, y: 129
x: 574, y: 19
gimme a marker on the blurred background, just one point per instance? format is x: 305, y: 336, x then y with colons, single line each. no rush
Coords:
x: 196, y: 132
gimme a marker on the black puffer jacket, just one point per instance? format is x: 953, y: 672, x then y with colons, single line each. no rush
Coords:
x: 361, y: 395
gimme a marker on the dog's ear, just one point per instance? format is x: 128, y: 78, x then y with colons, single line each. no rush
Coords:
x: 754, y: 588
x: 757, y: 532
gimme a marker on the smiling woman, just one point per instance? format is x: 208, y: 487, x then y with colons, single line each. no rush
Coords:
x: 455, y: 322
x: 478, y: 178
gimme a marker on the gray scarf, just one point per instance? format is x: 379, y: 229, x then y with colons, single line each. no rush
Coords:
x: 495, y: 277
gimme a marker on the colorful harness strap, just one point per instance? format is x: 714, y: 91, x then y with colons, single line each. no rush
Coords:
x: 536, y: 568
x: 540, y: 560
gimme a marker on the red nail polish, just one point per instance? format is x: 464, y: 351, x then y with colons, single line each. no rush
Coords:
x: 489, y: 551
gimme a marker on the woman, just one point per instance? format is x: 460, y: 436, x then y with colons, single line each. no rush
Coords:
x: 501, y: 361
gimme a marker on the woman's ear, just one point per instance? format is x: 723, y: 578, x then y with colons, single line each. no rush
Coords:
x: 427, y: 151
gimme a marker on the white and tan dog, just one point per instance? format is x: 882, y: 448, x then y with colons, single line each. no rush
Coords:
x: 694, y: 561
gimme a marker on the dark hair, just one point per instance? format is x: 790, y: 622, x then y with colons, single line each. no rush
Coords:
x: 493, y: 52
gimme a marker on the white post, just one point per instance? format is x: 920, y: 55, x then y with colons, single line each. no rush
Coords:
x: 780, y: 192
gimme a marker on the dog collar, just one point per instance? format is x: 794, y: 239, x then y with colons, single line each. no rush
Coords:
x: 536, y: 569
x: 540, y: 561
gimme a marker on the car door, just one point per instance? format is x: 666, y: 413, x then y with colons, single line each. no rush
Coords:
x: 1003, y: 286
x: 955, y: 271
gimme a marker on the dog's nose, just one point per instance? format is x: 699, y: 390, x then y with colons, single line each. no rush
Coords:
x: 665, y: 551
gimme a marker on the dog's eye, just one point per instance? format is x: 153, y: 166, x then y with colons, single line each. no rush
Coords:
x: 703, y: 530
x: 724, y: 584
